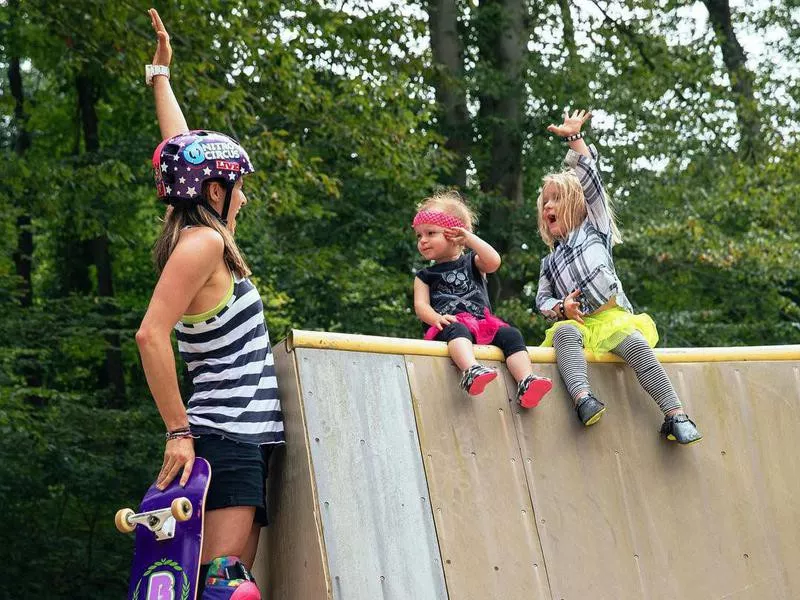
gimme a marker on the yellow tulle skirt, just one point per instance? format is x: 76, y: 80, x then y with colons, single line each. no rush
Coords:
x: 605, y: 330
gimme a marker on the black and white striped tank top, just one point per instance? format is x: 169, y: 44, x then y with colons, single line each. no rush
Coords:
x: 229, y: 357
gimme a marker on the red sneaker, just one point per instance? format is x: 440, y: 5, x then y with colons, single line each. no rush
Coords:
x: 532, y: 389
x: 476, y: 378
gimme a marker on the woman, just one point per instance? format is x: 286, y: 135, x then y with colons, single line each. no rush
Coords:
x: 233, y: 417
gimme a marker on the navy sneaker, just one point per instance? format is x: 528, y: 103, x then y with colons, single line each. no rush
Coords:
x: 680, y: 428
x: 589, y: 410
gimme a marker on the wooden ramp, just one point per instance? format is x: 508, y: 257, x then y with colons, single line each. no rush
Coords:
x: 397, y: 485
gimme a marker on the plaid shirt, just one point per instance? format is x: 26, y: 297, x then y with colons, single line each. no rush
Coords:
x: 583, y: 260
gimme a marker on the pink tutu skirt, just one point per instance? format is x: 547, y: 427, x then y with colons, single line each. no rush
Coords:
x: 483, y: 330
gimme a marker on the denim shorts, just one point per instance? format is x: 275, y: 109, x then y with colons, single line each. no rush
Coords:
x: 238, y: 473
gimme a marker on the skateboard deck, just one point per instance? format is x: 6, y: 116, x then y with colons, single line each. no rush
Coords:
x: 169, y: 537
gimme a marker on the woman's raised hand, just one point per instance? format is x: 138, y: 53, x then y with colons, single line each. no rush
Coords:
x: 163, y: 54
x: 572, y: 123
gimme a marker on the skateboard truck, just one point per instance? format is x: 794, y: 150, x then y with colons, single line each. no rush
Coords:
x: 160, y: 521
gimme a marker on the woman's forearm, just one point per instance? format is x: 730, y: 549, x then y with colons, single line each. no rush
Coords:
x: 168, y: 111
x: 158, y: 362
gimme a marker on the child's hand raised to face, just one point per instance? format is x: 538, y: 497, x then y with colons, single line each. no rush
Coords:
x: 456, y: 234
x: 572, y: 123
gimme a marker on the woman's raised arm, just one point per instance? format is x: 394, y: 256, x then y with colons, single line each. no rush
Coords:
x: 169, y: 114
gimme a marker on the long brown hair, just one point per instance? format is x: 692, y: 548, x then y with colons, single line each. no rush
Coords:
x: 183, y: 215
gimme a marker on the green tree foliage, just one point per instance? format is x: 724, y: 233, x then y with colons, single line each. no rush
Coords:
x: 336, y: 103
x: 332, y: 106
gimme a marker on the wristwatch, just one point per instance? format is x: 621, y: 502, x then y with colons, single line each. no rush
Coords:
x: 151, y: 71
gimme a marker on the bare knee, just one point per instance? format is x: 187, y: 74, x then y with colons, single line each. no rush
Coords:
x: 227, y: 531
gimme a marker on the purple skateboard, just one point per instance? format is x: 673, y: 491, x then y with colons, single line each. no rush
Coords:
x: 169, y: 536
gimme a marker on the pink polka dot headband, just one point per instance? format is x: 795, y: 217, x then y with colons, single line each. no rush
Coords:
x: 434, y: 217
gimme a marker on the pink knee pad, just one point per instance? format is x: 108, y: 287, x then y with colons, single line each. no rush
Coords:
x: 229, y: 579
x: 247, y: 591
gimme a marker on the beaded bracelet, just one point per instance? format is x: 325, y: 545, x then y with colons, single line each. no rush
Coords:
x: 177, y: 434
x: 573, y: 137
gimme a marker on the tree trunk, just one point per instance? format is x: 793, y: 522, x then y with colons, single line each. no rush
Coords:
x: 24, y: 251
x: 502, y: 43
x: 87, y: 96
x: 742, y: 79
x: 100, y: 246
x: 448, y: 80
x: 23, y: 256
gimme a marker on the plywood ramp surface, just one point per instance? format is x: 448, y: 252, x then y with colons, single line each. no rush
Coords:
x: 622, y: 514
x: 377, y: 523
x: 395, y: 484
x: 476, y: 477
x: 290, y: 563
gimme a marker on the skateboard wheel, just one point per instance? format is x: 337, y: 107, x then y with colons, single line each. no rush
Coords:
x: 181, y: 509
x: 122, y: 522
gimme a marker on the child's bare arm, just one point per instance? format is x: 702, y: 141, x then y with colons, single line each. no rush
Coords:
x: 424, y: 310
x: 487, y: 259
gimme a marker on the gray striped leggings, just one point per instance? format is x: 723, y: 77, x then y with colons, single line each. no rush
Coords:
x: 634, y: 350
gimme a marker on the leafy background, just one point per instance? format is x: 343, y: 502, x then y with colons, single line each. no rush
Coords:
x: 354, y: 111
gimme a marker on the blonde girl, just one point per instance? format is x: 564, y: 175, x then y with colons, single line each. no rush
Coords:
x: 579, y: 288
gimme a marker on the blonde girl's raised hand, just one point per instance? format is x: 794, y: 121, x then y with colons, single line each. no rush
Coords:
x: 572, y: 123
x: 163, y: 53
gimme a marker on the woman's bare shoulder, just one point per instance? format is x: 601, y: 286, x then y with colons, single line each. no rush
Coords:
x: 201, y: 239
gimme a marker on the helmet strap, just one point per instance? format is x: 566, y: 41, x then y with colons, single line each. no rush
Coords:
x: 227, y: 205
x: 212, y: 210
x: 223, y: 218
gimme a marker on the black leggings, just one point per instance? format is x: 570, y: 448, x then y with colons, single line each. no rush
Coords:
x: 508, y: 339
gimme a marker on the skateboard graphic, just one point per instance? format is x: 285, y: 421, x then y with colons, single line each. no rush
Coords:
x: 169, y: 537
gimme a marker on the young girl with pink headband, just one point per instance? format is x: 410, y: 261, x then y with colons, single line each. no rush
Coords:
x: 452, y: 299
